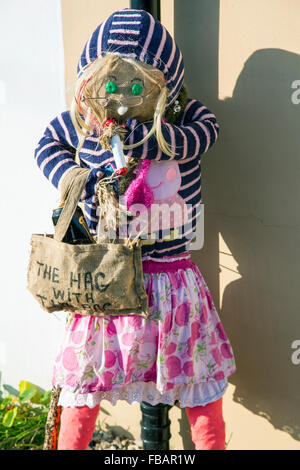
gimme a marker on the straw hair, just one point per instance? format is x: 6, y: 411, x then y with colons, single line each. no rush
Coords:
x: 88, y: 119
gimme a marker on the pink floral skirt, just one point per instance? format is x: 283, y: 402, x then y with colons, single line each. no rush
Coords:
x: 180, y: 352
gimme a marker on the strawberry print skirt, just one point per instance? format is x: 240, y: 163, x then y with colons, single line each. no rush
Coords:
x: 179, y: 353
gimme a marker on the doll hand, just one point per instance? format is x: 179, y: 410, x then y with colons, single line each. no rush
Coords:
x: 95, y: 175
x: 90, y: 187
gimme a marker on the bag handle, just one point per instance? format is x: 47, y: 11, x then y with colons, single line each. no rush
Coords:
x: 71, y: 198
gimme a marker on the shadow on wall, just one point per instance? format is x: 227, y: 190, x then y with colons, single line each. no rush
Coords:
x: 250, y: 182
x: 257, y: 170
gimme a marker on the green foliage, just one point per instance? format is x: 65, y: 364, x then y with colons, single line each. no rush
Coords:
x: 23, y: 416
x: 9, y: 417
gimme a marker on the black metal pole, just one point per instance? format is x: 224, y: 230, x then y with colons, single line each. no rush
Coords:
x: 152, y: 6
x: 155, y: 422
x: 155, y: 426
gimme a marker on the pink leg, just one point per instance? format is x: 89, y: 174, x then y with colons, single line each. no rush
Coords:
x: 76, y: 427
x: 207, y: 426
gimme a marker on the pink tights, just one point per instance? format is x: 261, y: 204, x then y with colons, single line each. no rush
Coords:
x: 76, y: 427
x: 207, y: 427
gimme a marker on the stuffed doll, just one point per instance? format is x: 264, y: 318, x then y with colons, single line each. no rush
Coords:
x: 131, y: 74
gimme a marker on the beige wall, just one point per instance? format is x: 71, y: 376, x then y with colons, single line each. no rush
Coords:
x: 247, y: 57
x: 241, y: 58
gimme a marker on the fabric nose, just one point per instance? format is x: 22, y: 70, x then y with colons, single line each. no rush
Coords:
x: 122, y: 110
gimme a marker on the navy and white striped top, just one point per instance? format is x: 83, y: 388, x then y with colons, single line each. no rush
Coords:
x: 136, y: 34
x: 196, y: 132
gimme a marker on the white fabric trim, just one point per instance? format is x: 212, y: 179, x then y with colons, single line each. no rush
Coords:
x: 167, y: 259
x: 187, y: 395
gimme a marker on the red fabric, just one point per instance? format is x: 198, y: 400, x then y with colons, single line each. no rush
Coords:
x: 77, y: 427
x: 207, y: 426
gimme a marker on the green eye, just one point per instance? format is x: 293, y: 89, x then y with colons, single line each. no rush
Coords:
x: 111, y: 87
x: 136, y: 89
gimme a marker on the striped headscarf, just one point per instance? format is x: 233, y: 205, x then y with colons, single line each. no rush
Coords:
x: 138, y: 35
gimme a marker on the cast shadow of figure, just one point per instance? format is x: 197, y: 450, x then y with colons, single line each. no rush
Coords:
x: 251, y: 197
x: 256, y: 209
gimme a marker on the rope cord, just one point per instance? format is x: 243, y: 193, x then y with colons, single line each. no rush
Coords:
x: 111, y: 211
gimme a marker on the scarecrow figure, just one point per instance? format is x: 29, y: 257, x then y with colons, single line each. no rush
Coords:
x: 131, y: 84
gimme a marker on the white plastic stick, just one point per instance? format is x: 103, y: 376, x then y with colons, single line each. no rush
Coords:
x: 118, y: 152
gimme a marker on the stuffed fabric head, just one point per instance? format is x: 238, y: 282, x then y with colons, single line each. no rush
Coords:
x: 130, y: 68
x: 121, y: 89
x: 135, y: 34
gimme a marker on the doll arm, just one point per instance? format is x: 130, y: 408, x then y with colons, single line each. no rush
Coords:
x: 55, y: 154
x: 195, y: 134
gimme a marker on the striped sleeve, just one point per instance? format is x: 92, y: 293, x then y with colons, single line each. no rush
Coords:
x: 195, y: 134
x: 56, y: 150
x: 55, y: 154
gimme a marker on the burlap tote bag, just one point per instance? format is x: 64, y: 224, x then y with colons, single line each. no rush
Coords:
x: 93, y: 279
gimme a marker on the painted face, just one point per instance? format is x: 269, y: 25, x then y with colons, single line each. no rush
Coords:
x: 164, y: 178
x: 121, y: 91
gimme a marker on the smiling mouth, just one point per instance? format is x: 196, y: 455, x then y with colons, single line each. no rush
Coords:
x: 154, y: 187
